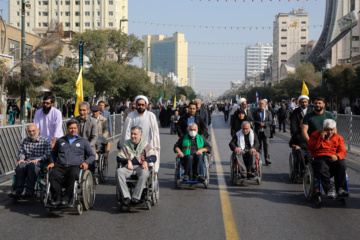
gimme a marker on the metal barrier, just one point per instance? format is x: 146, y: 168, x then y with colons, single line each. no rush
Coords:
x: 348, y: 126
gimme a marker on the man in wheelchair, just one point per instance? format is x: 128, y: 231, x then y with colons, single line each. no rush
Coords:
x: 190, y: 149
x: 244, y: 146
x: 135, y: 156
x: 328, y: 150
x: 34, y: 152
x: 66, y: 160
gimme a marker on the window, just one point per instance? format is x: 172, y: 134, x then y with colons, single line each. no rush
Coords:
x: 303, y: 22
x: 45, y: 24
x: 283, y: 61
x: 98, y: 2
x: 284, y: 30
x: 283, y: 53
x: 303, y: 37
x: 77, y: 24
x: 283, y: 22
x: 39, y: 24
x: 18, y: 24
x: 39, y: 34
x: 77, y: 2
x: 303, y: 45
x: 18, y: 2
x: 355, y: 49
x: 45, y: 3
x: 352, y: 5
x: 87, y: 2
x: 67, y: 24
x: 39, y: 13
x: 283, y: 45
x: 355, y: 38
x: 111, y: 2
x: 98, y: 24
x: 110, y: 24
x: 14, y: 48
x: 28, y: 24
x: 67, y: 13
x: 303, y: 30
x: 57, y: 13
x: 77, y: 13
x: 28, y: 13
x: 45, y: 13
x: 98, y: 13
x: 87, y: 13
x: 67, y: 2
x: 56, y: 2
x: 111, y: 13
x: 18, y: 13
x: 87, y: 24
x: 39, y: 2
x: 283, y: 37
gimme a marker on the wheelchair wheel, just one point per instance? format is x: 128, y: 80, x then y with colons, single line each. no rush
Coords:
x: 308, y: 182
x: 79, y: 208
x: 207, y: 175
x: 155, y: 188
x: 177, y: 175
x: 292, y: 167
x: 148, y: 205
x: 232, y: 171
x: 103, y: 168
x: 87, y: 190
x: 259, y: 178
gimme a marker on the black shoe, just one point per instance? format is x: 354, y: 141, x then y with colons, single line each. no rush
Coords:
x: 250, y: 175
x: 64, y: 201
x: 127, y: 202
x: 284, y: 131
x: 55, y: 202
x: 135, y: 201
x: 201, y: 178
x: 17, y: 194
x: 186, y: 178
x: 29, y: 194
x: 267, y: 162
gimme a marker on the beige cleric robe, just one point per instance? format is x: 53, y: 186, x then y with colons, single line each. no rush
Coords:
x: 150, y: 131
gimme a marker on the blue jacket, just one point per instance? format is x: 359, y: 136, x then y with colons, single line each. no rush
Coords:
x: 75, y: 154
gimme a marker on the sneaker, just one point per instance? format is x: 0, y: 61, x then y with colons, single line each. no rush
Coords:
x: 343, y: 193
x: 201, y: 178
x: 186, y: 178
x: 331, y: 194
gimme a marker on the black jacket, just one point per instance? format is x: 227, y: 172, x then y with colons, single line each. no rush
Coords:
x: 267, y: 121
x: 182, y: 125
x: 234, y: 140
x: 295, y: 120
x: 75, y: 154
x: 236, y: 123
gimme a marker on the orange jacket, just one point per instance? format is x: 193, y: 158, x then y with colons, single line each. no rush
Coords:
x: 319, y: 146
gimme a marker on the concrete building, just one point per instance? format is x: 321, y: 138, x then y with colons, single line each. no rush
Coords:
x: 164, y: 54
x: 256, y: 58
x: 290, y: 36
x: 75, y: 16
x: 191, y: 77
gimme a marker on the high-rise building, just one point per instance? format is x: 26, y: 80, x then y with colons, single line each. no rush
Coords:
x: 164, y: 54
x: 290, y: 36
x: 256, y: 58
x: 75, y: 16
x: 191, y: 77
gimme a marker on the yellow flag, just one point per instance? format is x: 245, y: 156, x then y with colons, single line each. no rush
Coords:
x: 174, y: 101
x: 305, y: 90
x: 187, y: 102
x: 79, y: 93
x: 182, y: 97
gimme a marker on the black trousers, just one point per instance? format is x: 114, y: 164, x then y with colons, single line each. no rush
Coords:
x: 226, y: 115
x: 325, y: 169
x: 62, y: 176
x: 264, y: 142
x: 299, y: 156
x: 193, y: 164
x: 27, y: 172
x: 281, y: 122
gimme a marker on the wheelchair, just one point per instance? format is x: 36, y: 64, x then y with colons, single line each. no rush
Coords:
x: 312, y: 185
x: 179, y: 169
x: 172, y: 130
x: 150, y: 194
x: 234, y: 170
x: 101, y: 164
x: 83, y: 195
x: 296, y: 169
x: 40, y: 187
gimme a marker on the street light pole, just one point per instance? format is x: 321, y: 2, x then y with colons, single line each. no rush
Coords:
x: 22, y: 89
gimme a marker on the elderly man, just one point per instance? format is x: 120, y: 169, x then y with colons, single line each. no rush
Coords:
x: 298, y: 115
x: 105, y: 114
x: 49, y: 120
x: 190, y: 148
x: 148, y: 122
x: 130, y: 109
x: 192, y: 117
x: 328, y: 149
x: 263, y: 120
x: 34, y: 152
x: 174, y: 121
x: 244, y: 146
x: 102, y: 123
x: 70, y: 153
x: 87, y: 125
x: 313, y: 121
x: 136, y: 154
x: 202, y: 111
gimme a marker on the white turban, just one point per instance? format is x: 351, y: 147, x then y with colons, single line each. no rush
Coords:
x: 241, y: 100
x: 143, y: 98
x: 302, y: 97
x: 265, y: 100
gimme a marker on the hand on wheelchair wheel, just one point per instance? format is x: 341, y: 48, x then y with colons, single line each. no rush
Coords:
x: 84, y: 166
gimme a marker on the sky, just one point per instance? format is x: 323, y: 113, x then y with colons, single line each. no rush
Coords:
x: 216, y: 53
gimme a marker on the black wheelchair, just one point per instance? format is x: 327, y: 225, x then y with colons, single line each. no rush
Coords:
x: 235, y: 177
x: 312, y: 185
x: 179, y: 169
x: 296, y: 167
x: 150, y: 194
x: 83, y: 195
x: 40, y: 187
x: 101, y: 164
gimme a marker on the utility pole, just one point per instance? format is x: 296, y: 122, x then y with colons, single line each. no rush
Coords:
x: 22, y: 89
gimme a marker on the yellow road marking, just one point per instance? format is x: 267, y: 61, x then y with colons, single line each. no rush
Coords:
x: 228, y: 217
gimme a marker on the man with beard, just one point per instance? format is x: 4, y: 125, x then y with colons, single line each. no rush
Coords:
x: 88, y: 128
x: 192, y: 117
x: 313, y: 121
x: 105, y: 114
x: 298, y: 114
x: 243, y: 105
x: 148, y: 123
x: 130, y: 109
x: 49, y: 120
x: 34, y: 152
x: 202, y: 111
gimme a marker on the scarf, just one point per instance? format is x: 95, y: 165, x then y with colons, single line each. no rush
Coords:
x: 186, y: 144
x: 142, y: 151
x: 241, y: 139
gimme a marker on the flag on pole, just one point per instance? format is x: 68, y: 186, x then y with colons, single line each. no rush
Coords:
x: 160, y: 99
x: 79, y: 93
x: 257, y: 98
x: 174, y: 106
x: 305, y: 90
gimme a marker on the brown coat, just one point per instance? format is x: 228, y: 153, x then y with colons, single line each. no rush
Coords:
x: 103, y: 126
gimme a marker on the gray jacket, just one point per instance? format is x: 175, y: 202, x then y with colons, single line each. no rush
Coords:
x: 89, y: 131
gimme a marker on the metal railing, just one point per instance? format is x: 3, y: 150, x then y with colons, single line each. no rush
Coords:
x: 12, y: 136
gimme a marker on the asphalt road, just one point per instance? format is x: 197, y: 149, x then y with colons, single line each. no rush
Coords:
x: 276, y: 209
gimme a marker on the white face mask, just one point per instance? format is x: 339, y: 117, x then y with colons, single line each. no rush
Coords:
x: 192, y: 133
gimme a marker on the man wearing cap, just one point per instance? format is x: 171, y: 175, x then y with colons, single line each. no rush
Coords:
x: 148, y: 123
x: 102, y: 123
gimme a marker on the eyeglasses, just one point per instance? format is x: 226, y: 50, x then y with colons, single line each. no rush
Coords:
x: 46, y: 103
x: 140, y: 105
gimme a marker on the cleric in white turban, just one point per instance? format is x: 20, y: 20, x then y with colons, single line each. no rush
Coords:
x: 148, y: 122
